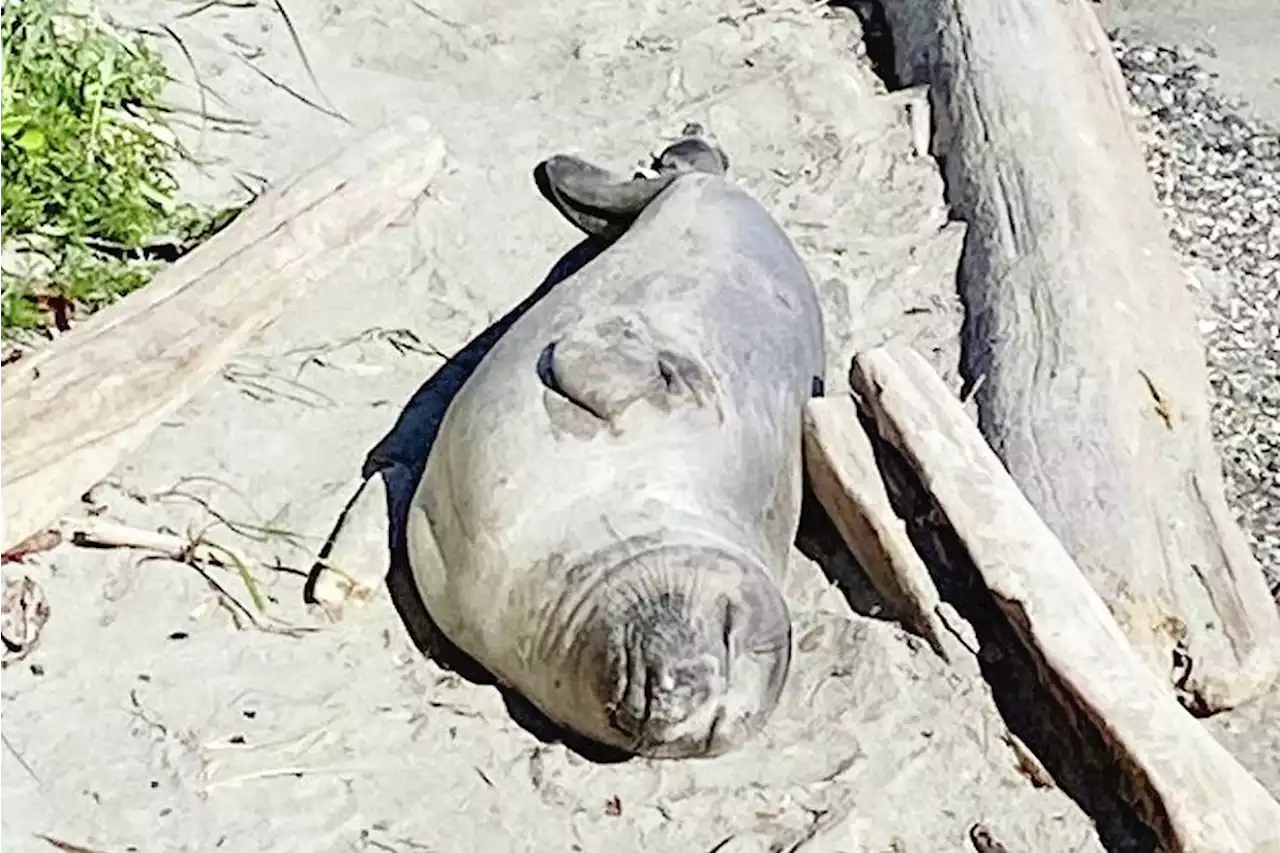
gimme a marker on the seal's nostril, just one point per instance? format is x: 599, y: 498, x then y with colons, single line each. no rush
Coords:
x: 631, y: 715
x: 726, y: 635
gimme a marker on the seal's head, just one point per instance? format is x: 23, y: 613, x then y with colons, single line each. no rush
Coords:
x: 687, y: 653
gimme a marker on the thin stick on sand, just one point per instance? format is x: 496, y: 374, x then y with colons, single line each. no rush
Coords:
x: 95, y: 532
x: 195, y: 551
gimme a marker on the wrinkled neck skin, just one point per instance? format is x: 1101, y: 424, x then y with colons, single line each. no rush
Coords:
x: 668, y: 650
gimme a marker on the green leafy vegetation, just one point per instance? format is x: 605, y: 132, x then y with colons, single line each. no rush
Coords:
x: 90, y: 205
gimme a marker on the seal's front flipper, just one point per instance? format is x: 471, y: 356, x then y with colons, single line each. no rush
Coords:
x: 604, y: 366
x: 599, y: 202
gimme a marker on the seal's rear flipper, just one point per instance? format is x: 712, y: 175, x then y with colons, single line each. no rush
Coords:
x: 600, y: 202
x: 604, y: 204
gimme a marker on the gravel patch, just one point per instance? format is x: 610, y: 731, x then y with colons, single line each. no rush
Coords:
x: 1217, y: 174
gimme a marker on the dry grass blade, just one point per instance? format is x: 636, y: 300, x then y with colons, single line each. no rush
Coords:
x: 65, y: 846
x: 265, y: 386
x: 295, y: 93
x: 256, y: 531
x: 302, y: 54
x: 329, y: 108
x: 195, y: 72
x: 242, y: 569
x: 210, y: 4
x: 238, y: 610
x: 22, y: 762
x: 403, y: 341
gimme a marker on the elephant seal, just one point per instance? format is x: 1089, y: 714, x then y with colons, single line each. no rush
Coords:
x: 614, y: 491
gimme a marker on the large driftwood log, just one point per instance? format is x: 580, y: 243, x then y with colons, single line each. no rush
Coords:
x: 1188, y: 787
x: 1082, y: 331
x: 70, y: 411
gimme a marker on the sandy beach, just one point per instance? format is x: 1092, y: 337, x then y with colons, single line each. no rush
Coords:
x: 162, y: 712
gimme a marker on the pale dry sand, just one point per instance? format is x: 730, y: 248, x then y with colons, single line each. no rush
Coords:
x: 148, y: 719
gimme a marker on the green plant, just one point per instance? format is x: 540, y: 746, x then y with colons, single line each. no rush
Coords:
x: 89, y: 199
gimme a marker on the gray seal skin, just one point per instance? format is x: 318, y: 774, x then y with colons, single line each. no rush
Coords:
x: 613, y: 494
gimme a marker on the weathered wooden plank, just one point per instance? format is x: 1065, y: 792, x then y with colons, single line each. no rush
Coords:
x: 70, y: 411
x: 845, y: 478
x: 1189, y: 788
x: 1082, y: 331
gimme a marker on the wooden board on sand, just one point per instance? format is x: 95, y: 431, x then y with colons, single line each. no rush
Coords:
x: 70, y: 411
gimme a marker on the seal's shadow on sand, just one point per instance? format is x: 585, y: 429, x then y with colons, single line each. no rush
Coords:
x: 401, y: 456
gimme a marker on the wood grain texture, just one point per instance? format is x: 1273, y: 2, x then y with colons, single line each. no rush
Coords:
x: 1188, y: 787
x: 1082, y: 330
x: 73, y: 409
x: 845, y: 478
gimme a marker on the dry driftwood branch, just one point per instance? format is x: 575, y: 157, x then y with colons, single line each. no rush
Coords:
x: 1095, y: 394
x: 1188, y: 787
x: 70, y: 411
x: 845, y: 478
x: 194, y: 550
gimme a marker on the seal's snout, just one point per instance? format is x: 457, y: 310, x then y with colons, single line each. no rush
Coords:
x: 697, y: 657
x: 664, y: 695
x: 672, y: 680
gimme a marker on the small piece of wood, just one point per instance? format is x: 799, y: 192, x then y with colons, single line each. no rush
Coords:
x: 352, y: 563
x: 96, y: 533
x: 1187, y: 786
x: 842, y: 470
x: 73, y: 409
x: 1081, y: 324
